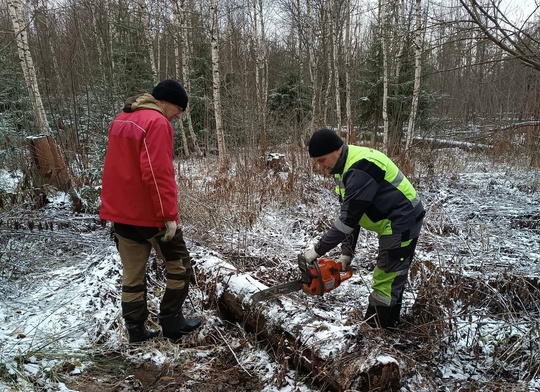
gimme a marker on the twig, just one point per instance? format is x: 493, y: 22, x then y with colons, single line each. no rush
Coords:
x: 232, y: 352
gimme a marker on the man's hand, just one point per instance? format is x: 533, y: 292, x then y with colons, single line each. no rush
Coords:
x: 345, y: 262
x: 170, y: 230
x: 311, y: 256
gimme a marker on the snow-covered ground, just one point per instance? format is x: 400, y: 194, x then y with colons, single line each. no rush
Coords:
x: 60, y: 290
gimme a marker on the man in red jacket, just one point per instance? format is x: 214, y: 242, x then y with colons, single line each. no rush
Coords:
x: 139, y: 195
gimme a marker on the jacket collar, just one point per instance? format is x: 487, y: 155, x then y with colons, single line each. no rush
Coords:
x: 144, y: 101
x: 340, y: 164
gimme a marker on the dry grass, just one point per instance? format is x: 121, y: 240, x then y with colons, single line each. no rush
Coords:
x: 213, y: 200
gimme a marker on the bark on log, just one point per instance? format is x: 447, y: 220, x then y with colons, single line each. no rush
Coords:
x: 333, y: 354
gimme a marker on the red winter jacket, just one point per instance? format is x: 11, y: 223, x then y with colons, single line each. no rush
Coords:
x: 138, y: 185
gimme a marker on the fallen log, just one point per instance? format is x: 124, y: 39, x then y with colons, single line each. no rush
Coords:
x: 333, y: 354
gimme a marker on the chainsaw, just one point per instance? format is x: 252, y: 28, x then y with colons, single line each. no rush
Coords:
x: 322, y: 276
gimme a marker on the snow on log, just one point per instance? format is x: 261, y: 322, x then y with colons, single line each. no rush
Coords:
x: 334, y: 355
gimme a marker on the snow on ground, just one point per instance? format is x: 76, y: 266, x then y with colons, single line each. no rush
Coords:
x: 60, y: 289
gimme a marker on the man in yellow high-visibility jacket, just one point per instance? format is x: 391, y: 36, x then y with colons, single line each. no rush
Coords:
x: 375, y: 195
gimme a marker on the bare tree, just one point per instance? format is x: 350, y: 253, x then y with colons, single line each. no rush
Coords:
x: 506, y: 34
x: 261, y: 69
x: 45, y: 152
x: 27, y: 64
x: 335, y: 16
x: 148, y: 38
x: 384, y: 45
x: 313, y: 71
x: 418, y: 50
x: 216, y: 83
x: 327, y: 35
x: 178, y: 31
x: 351, y: 136
x: 180, y: 8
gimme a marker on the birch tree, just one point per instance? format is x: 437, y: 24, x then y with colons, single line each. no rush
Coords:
x: 180, y: 9
x: 335, y: 16
x: 27, y: 65
x: 351, y: 137
x: 329, y: 64
x: 216, y: 83
x: 261, y: 69
x: 385, y: 65
x: 178, y: 21
x: 44, y: 150
x: 148, y: 39
x: 312, y: 61
x: 418, y: 50
x: 186, y: 69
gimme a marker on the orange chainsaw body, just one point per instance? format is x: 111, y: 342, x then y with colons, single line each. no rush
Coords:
x: 324, y: 276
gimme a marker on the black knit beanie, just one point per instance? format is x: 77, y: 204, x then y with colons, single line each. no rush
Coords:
x: 171, y: 91
x: 322, y: 142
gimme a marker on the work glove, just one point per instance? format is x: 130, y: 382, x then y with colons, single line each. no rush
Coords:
x: 170, y: 231
x: 345, y: 262
x: 311, y: 256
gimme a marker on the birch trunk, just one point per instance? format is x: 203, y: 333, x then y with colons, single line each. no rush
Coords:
x: 384, y: 46
x: 261, y: 79
x: 178, y: 67
x: 27, y: 64
x: 186, y: 70
x: 351, y: 136
x: 329, y: 67
x: 148, y: 38
x: 335, y: 15
x: 216, y: 83
x: 418, y: 48
x: 312, y: 66
x: 95, y: 30
x: 262, y: 137
x: 107, y: 31
x: 399, y: 28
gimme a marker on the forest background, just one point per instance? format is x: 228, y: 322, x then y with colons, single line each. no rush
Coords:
x: 406, y: 77
x: 261, y: 74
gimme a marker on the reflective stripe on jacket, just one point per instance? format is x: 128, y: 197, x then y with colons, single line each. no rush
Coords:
x: 389, y: 200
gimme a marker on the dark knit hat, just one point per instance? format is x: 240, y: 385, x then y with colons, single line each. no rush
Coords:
x: 171, y: 91
x: 322, y: 142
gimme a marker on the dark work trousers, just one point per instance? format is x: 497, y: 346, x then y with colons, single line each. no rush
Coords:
x: 134, y: 244
x: 390, y: 276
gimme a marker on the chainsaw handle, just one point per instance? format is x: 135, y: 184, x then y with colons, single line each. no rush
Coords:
x: 319, y: 278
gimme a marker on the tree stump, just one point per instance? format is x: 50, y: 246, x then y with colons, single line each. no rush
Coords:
x: 49, y: 162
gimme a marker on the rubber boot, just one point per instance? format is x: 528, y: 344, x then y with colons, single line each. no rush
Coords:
x: 382, y: 316
x: 175, y: 326
x: 138, y: 333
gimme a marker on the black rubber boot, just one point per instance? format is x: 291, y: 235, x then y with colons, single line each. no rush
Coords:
x: 138, y: 333
x: 382, y: 316
x: 176, y: 326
